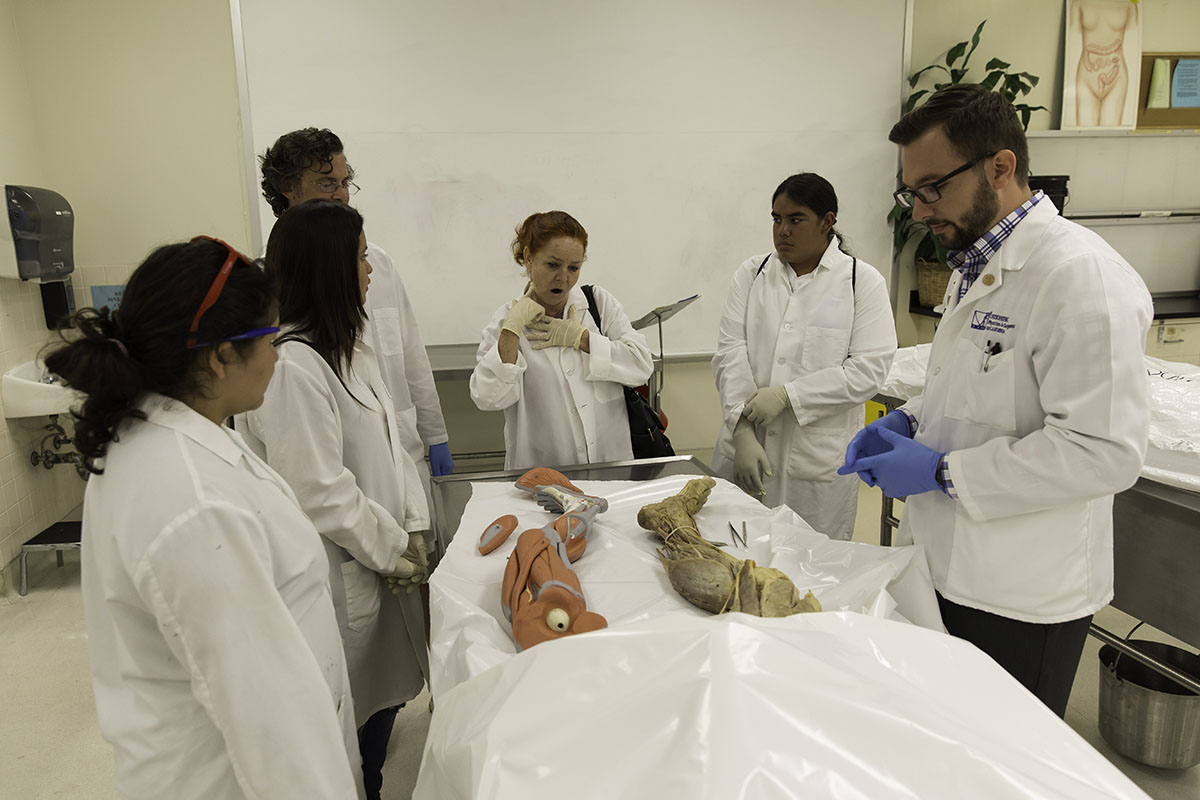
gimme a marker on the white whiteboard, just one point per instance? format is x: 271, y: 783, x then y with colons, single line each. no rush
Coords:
x: 662, y: 125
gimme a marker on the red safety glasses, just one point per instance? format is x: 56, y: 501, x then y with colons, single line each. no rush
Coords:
x: 214, y: 292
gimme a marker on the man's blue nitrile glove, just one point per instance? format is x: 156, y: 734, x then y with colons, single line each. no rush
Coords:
x: 440, y: 462
x: 906, y: 469
x: 867, y: 442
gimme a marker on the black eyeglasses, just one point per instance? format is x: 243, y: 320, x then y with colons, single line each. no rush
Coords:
x: 931, y: 192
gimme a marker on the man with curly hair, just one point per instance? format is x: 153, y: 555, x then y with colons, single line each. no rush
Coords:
x: 311, y: 163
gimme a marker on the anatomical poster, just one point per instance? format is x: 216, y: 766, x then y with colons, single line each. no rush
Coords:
x: 1102, y: 64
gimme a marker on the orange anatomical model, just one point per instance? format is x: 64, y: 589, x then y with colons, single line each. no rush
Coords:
x: 541, y: 595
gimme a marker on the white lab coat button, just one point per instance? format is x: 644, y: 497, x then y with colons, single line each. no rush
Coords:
x: 772, y: 433
x: 787, y: 327
x: 937, y: 370
x: 571, y: 371
x: 781, y: 361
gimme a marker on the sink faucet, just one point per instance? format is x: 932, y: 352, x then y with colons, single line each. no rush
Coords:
x: 49, y: 458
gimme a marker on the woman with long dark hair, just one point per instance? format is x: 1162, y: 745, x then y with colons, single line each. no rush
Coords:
x: 807, y: 337
x: 217, y: 665
x: 329, y: 427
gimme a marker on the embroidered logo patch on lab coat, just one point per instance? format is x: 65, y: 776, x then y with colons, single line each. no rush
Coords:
x: 991, y: 322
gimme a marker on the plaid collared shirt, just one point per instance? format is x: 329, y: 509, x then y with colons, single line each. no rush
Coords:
x: 941, y: 472
x: 971, y: 261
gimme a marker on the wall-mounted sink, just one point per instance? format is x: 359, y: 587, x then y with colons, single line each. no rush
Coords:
x: 24, y: 393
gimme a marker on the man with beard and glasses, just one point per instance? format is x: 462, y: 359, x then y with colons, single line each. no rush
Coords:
x: 1034, y: 411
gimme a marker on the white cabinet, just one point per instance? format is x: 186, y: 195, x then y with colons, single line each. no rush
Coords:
x: 1175, y: 340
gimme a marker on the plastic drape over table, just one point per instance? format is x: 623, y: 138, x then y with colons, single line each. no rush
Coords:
x: 1173, y: 454
x: 669, y: 701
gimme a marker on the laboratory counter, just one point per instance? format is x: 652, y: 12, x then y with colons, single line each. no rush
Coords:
x: 1176, y: 305
x: 456, y: 362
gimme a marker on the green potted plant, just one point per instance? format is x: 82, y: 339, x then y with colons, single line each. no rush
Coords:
x: 929, y: 255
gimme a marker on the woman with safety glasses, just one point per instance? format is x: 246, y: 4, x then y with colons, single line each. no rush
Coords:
x: 217, y: 666
x: 329, y: 426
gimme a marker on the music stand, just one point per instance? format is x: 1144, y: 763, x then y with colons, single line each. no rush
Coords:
x: 658, y: 316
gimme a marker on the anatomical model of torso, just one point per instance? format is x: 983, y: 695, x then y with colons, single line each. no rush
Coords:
x: 1102, y: 76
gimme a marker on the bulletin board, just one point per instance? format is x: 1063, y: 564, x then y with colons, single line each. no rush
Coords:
x: 663, y: 127
x: 1164, y: 118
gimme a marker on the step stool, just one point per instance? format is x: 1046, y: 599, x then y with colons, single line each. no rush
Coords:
x: 58, y: 537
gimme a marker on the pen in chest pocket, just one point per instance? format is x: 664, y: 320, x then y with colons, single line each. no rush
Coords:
x: 993, y: 348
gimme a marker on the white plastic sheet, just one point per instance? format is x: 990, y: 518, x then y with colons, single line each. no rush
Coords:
x: 830, y: 705
x: 1173, y: 454
x: 624, y: 581
x: 906, y: 378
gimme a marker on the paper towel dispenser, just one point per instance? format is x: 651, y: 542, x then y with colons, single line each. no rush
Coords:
x: 40, y: 234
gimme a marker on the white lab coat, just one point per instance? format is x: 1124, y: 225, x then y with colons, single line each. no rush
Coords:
x: 1040, y: 435
x: 341, y: 454
x: 393, y: 334
x: 831, y: 347
x: 216, y: 661
x: 564, y: 406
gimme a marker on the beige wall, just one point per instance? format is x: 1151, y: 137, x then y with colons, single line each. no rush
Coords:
x: 1026, y: 33
x: 132, y: 114
x: 30, y: 497
x: 1029, y: 35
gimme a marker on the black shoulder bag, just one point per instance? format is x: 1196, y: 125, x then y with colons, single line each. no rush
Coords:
x: 647, y: 433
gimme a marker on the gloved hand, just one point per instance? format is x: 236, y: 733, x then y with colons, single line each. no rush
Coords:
x: 550, y: 332
x: 867, y: 442
x: 749, y: 459
x: 412, y: 568
x: 766, y: 404
x: 905, y: 469
x: 524, y: 311
x: 440, y: 461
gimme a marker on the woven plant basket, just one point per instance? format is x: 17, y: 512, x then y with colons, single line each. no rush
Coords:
x: 932, y: 277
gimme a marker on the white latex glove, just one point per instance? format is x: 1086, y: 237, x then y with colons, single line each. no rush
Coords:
x: 550, y: 332
x: 524, y: 311
x: 750, y: 462
x: 766, y: 404
x: 412, y: 568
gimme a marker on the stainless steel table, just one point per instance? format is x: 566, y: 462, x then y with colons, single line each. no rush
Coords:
x: 451, y: 492
x: 1156, y: 559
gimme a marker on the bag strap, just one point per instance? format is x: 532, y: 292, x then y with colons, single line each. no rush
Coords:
x: 590, y: 294
x: 293, y: 337
x: 853, y: 272
x: 763, y: 264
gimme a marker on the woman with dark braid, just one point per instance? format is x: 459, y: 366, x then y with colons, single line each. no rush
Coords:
x: 217, y: 666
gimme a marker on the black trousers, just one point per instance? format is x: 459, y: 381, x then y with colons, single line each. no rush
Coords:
x: 1043, y: 658
x: 373, y: 738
